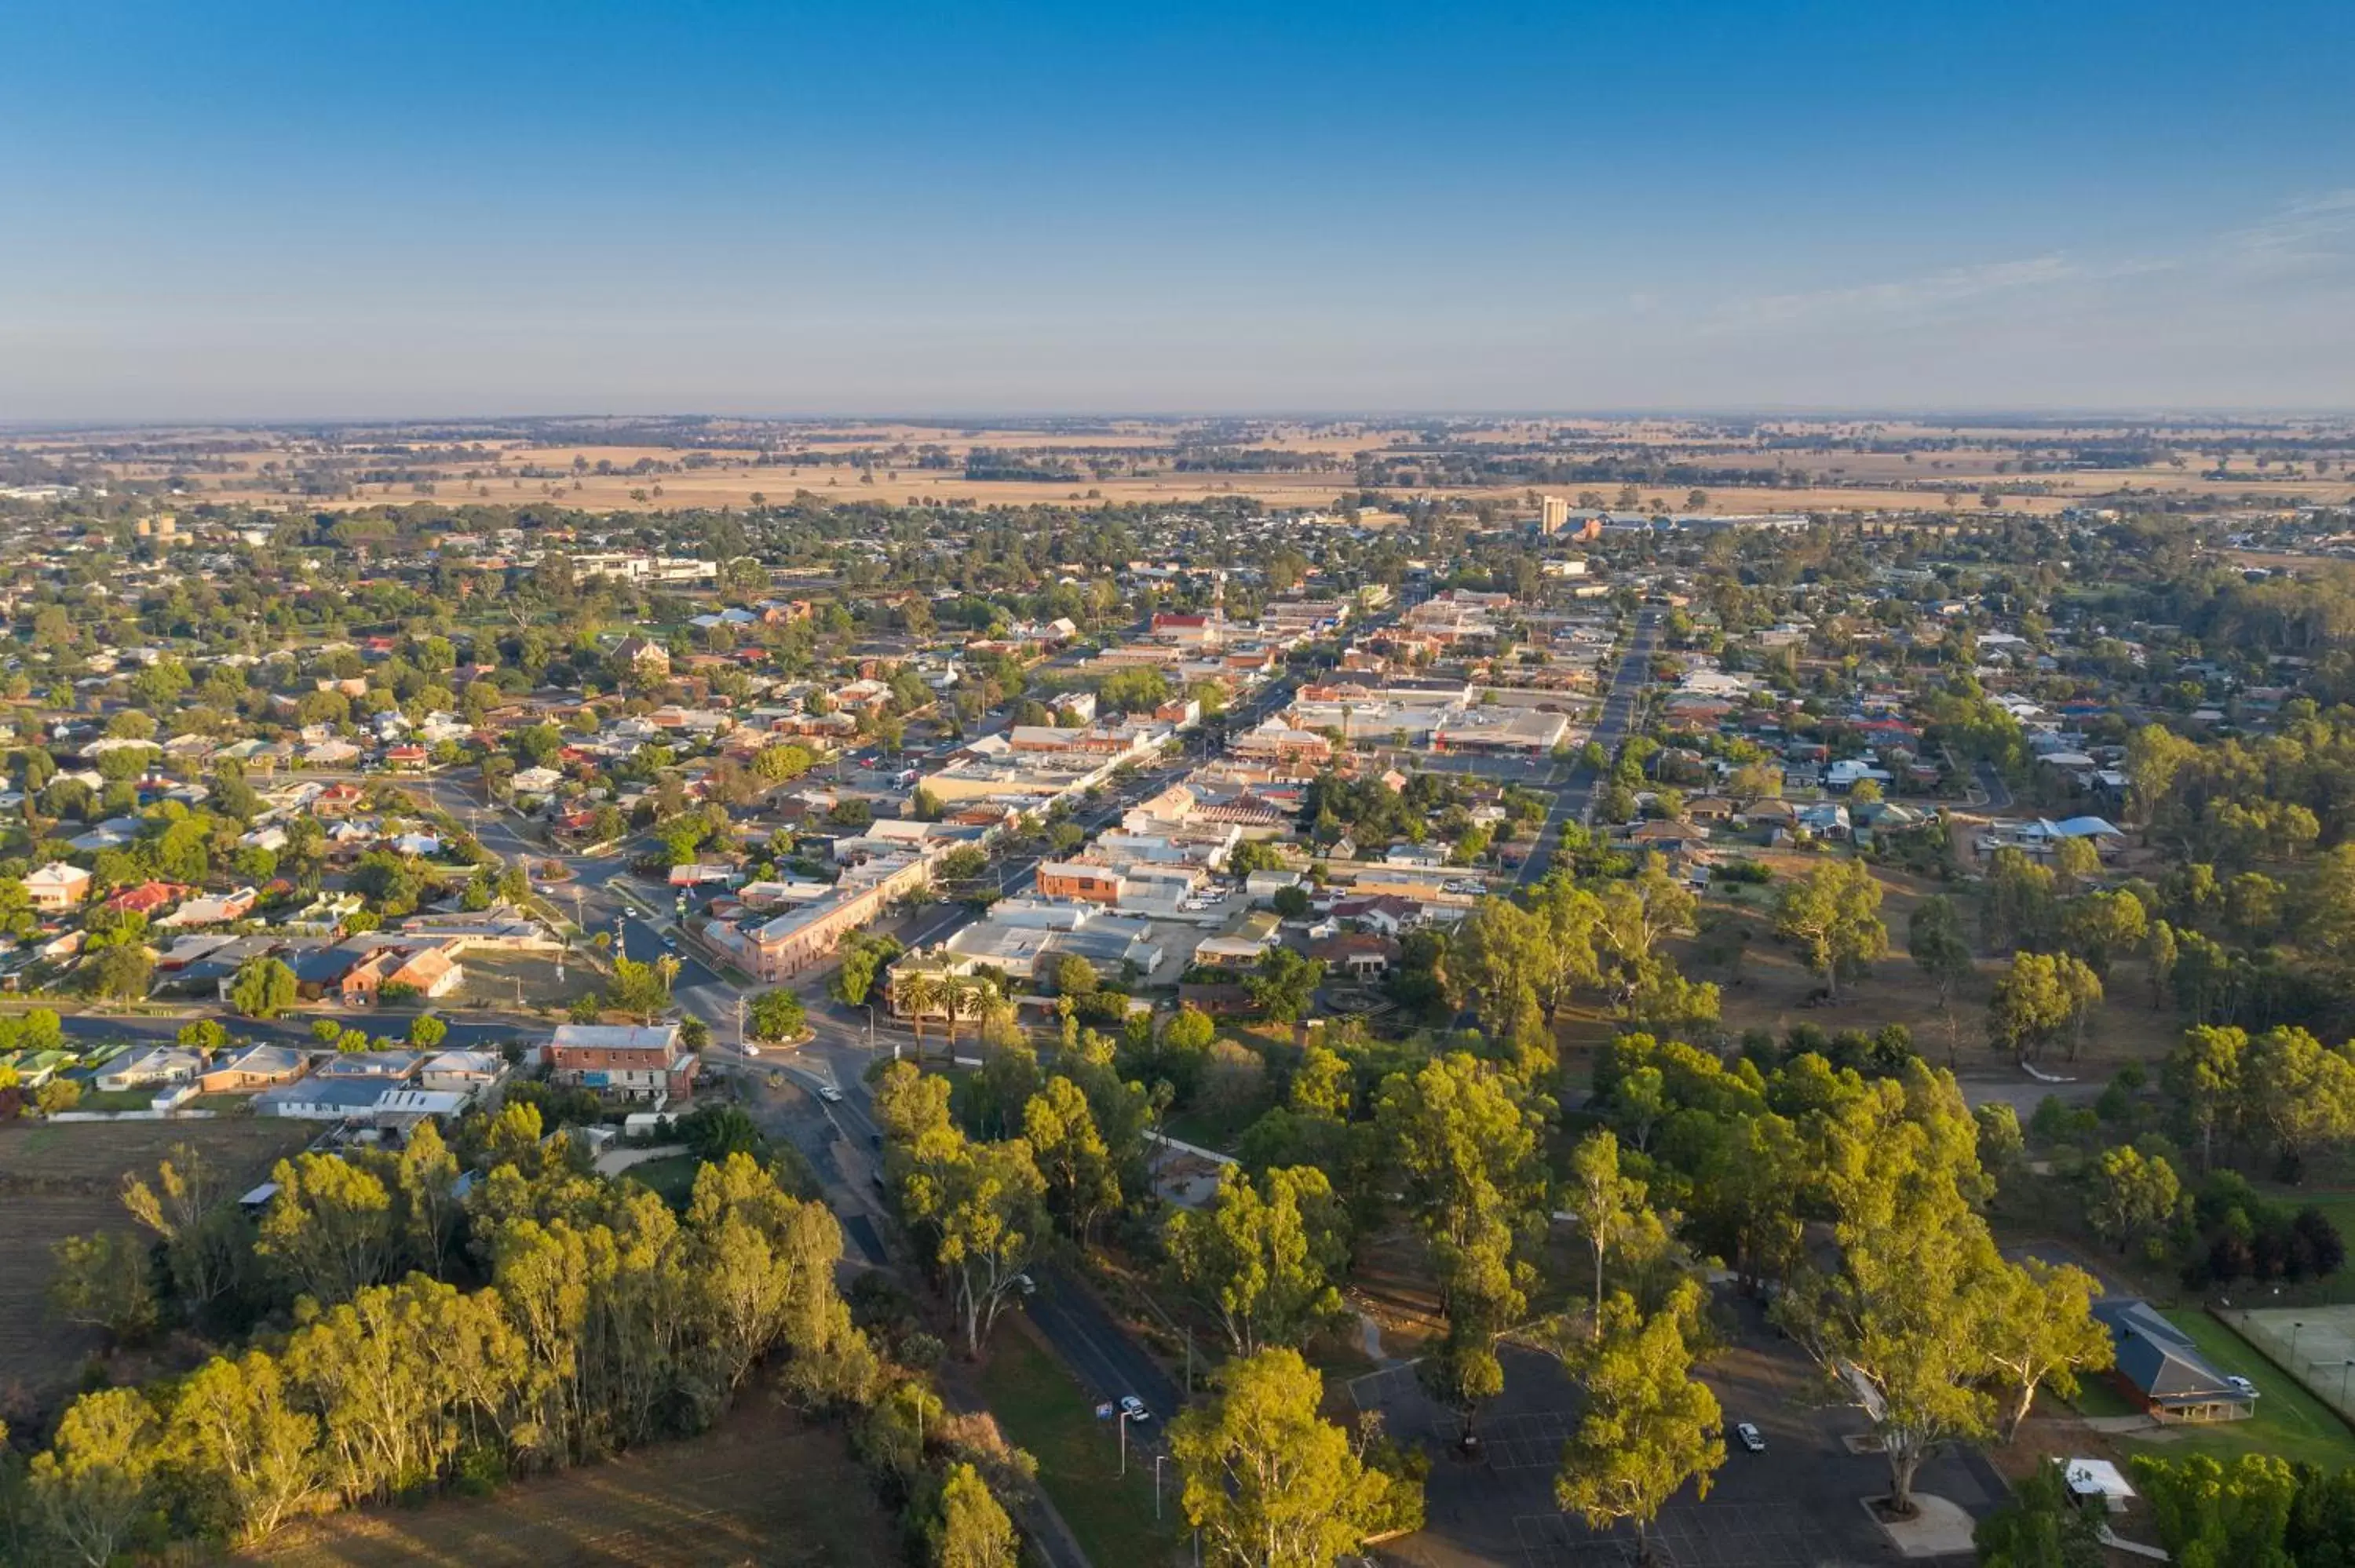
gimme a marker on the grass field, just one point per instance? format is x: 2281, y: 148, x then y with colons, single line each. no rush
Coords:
x: 763, y: 1487
x: 1039, y: 1407
x: 61, y: 1179
x: 1845, y: 480
x: 673, y: 1176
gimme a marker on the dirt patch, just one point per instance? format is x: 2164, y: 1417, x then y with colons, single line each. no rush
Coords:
x: 764, y: 1486
x: 61, y: 1179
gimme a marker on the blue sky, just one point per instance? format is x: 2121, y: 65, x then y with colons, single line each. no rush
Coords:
x: 261, y: 210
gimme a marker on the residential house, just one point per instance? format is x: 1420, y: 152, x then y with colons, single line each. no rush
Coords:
x: 57, y: 886
x: 151, y: 1068
x: 245, y: 1069
x: 430, y: 971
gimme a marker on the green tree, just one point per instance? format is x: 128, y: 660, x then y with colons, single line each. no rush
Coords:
x: 2042, y: 998
x: 1267, y: 1481
x: 2132, y: 1197
x: 1935, y: 942
x: 2201, y: 1077
x: 2210, y: 1515
x: 1835, y: 912
x: 426, y: 1031
x: 1070, y: 1156
x: 2042, y: 1527
x: 971, y: 1530
x: 240, y: 1450
x: 777, y: 1014
x: 1610, y: 1207
x: 101, y: 1279
x: 121, y: 973
x: 329, y: 1228
x: 1903, y: 1311
x: 1284, y: 983
x: 2041, y: 1333
x: 96, y: 1481
x: 264, y: 988
x: 2299, y: 1090
x: 1264, y: 1258
x: 1649, y: 1424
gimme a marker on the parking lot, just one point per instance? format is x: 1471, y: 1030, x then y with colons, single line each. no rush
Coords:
x: 1797, y: 1504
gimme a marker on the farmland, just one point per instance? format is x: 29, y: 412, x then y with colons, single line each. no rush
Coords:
x: 763, y: 1487
x: 60, y: 1180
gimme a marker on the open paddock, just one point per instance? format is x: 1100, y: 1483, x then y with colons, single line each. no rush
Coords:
x: 763, y: 1487
x: 62, y: 1179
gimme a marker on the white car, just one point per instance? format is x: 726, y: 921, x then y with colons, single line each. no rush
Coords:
x: 829, y: 1093
x: 2242, y: 1387
x: 1133, y: 1408
x: 1748, y: 1436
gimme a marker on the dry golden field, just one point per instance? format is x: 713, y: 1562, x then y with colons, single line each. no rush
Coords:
x: 1847, y: 480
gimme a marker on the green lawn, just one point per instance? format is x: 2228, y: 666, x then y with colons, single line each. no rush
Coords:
x: 1041, y: 1408
x: 673, y: 1177
x: 2290, y: 1421
x: 116, y: 1099
x: 1219, y: 1129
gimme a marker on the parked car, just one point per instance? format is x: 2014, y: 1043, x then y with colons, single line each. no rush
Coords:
x: 1748, y: 1436
x: 2242, y: 1387
x: 1133, y: 1408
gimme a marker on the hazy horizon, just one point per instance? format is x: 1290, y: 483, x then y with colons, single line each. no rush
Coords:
x: 356, y: 212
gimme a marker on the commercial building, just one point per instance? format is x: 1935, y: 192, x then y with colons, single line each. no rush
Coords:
x: 633, y: 1063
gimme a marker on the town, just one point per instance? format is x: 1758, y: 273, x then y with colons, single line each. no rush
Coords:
x: 1546, y: 1026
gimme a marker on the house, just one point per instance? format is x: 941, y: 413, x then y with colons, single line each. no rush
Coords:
x: 148, y: 897
x: 1826, y: 820
x: 2159, y: 1367
x: 246, y: 1069
x: 646, y: 660
x: 323, y: 1097
x: 475, y: 1073
x: 429, y: 971
x: 147, y: 1069
x: 1359, y: 955
x: 57, y: 886
x: 622, y: 1062
x: 213, y: 910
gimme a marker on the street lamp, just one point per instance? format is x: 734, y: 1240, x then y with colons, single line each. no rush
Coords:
x: 1156, y: 1476
x: 1125, y: 1417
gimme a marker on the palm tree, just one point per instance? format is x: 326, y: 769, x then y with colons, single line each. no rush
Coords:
x: 965, y: 998
x: 913, y: 995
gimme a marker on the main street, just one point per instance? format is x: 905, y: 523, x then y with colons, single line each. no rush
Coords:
x: 1621, y: 703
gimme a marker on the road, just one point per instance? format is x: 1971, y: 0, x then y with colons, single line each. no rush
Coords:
x: 1620, y: 703
x: 1999, y: 793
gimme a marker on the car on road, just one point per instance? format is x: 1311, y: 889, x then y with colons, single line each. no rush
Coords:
x: 1748, y: 1436
x: 1024, y: 1284
x: 829, y: 1093
x: 1133, y: 1408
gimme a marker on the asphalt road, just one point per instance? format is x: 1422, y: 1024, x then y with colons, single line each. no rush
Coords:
x: 1610, y: 727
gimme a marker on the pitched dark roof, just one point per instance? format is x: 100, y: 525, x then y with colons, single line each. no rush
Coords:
x: 2158, y: 1357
